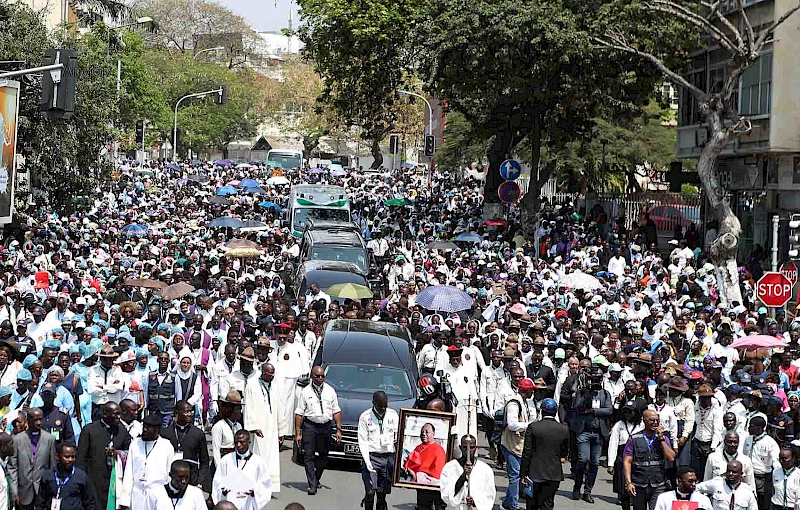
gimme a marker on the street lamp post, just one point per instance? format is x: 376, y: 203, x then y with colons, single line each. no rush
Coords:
x: 429, y: 127
x: 216, y: 48
x: 175, y: 124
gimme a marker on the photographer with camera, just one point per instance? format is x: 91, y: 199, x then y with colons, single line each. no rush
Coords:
x: 643, y: 462
x: 590, y: 422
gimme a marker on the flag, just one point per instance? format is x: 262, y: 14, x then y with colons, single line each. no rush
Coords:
x: 112, y: 489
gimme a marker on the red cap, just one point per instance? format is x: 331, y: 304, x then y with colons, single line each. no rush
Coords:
x: 561, y: 314
x: 526, y: 384
x: 696, y: 375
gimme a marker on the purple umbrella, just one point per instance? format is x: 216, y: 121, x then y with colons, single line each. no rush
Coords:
x: 316, y: 171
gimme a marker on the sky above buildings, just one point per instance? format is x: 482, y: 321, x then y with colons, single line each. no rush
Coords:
x: 264, y: 15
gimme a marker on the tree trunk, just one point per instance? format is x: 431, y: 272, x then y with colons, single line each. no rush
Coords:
x: 498, y: 150
x: 309, y: 144
x: 376, y: 154
x: 723, y: 250
x: 224, y: 152
x: 531, y: 203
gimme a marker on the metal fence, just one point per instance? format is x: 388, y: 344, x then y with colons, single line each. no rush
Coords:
x: 667, y: 210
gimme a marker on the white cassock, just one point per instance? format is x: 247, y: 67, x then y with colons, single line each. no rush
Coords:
x: 148, y: 465
x: 290, y: 361
x: 261, y: 413
x: 480, y: 485
x: 238, y: 476
x: 462, y: 383
x: 158, y: 499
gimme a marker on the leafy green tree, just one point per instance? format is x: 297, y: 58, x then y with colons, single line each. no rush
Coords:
x: 461, y: 146
x: 361, y: 50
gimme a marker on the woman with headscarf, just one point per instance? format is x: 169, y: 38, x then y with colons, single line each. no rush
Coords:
x: 187, y: 382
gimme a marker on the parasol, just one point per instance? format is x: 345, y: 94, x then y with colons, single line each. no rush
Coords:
x: 334, y: 167
x: 255, y: 190
x: 248, y: 183
x: 352, y: 291
x: 395, y: 202
x: 278, y: 180
x: 581, y: 280
x: 316, y: 170
x: 444, y: 298
x: 253, y: 223
x: 339, y: 172
x: 496, y: 222
x: 176, y: 290
x: 758, y: 342
x: 226, y: 221
x: 441, y: 245
x: 242, y: 243
x: 226, y: 190
x: 198, y: 178
x: 134, y: 230
x: 266, y: 204
x: 243, y: 252
x: 469, y: 238
x: 146, y: 283
x: 220, y: 200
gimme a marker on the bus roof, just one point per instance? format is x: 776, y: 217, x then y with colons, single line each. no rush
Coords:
x: 312, y: 195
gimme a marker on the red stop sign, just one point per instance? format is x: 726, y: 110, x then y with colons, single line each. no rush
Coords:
x: 774, y: 289
x: 789, y: 270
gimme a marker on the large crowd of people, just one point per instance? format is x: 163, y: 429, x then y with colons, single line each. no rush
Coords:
x: 128, y: 334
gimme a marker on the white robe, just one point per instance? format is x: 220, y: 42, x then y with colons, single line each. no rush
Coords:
x: 157, y: 499
x: 145, y: 470
x: 233, y: 473
x: 261, y: 413
x: 462, y: 383
x: 480, y: 484
x: 291, y: 362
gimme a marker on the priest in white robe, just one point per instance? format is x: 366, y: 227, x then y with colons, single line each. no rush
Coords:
x: 462, y: 384
x: 291, y: 362
x: 468, y: 482
x: 177, y: 494
x: 242, y: 477
x: 149, y: 462
x: 261, y: 415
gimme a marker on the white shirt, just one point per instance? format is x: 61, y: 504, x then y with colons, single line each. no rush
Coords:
x: 620, y: 433
x: 158, y: 499
x: 717, y: 464
x: 707, y: 422
x: 665, y: 500
x: 105, y: 386
x: 720, y: 494
x: 668, y: 420
x: 763, y: 452
x: 791, y: 484
x: 376, y: 436
x: 318, y: 408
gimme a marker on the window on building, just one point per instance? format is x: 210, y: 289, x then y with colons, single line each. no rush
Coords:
x: 755, y: 87
x: 796, y: 171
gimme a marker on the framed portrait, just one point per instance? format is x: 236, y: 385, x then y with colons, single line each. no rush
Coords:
x: 424, y: 446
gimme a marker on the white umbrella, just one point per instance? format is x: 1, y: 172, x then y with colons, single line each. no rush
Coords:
x: 580, y: 280
x: 241, y: 166
x: 278, y: 180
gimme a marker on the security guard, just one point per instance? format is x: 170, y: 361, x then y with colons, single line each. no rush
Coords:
x: 55, y: 421
x: 779, y: 424
x: 317, y: 409
x: 377, y: 436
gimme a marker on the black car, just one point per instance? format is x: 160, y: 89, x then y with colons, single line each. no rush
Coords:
x: 361, y: 357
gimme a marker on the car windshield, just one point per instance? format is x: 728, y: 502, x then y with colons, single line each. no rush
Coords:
x: 369, y: 379
x: 325, y: 279
x: 317, y: 213
x: 355, y: 255
x: 286, y: 161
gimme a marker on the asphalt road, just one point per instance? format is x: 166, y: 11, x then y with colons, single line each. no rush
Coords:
x: 342, y: 489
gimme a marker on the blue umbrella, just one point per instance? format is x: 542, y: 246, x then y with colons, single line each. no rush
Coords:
x: 226, y: 221
x: 469, y: 238
x: 249, y: 183
x: 266, y: 204
x: 134, y: 229
x: 255, y: 190
x: 173, y: 166
x: 223, y: 162
x: 226, y: 190
x: 444, y: 298
x: 253, y: 223
x: 316, y: 170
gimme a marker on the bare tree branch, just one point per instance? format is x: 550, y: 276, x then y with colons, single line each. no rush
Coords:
x: 763, y: 37
x: 673, y: 9
x: 749, y: 36
x: 618, y: 43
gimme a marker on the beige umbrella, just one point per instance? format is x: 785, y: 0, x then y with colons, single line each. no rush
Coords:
x: 147, y: 283
x: 242, y: 243
x: 243, y: 252
x: 176, y: 290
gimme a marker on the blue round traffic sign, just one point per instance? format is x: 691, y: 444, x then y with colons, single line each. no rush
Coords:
x: 509, y: 192
x: 510, y: 170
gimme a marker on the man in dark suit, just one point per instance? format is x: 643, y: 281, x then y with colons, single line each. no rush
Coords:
x: 190, y: 441
x: 34, y: 455
x: 97, y: 449
x: 591, y: 406
x: 536, y: 370
x: 547, y: 441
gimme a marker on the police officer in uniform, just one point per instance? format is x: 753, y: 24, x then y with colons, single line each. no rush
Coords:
x: 161, y: 396
x: 377, y: 436
x: 55, y: 421
x: 317, y: 410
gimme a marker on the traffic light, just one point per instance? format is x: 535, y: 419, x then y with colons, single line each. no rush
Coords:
x: 794, y: 236
x: 430, y: 146
x: 139, y: 132
x: 58, y: 86
x: 394, y: 144
x: 222, y: 97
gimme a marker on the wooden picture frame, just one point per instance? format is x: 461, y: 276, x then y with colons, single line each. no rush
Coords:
x: 426, y: 461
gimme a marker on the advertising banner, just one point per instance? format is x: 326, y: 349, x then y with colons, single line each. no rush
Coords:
x: 9, y: 114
